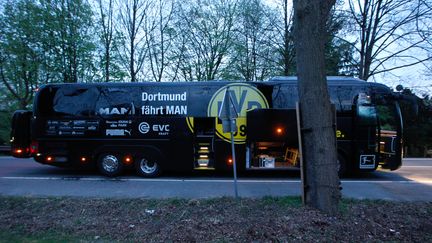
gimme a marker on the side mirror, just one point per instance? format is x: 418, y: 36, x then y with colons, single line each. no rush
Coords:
x: 399, y: 87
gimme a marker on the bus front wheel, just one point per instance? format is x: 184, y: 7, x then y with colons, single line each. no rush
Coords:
x: 109, y: 164
x: 147, y: 167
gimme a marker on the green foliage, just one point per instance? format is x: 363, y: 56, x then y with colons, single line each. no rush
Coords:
x: 5, y: 126
x: 116, y: 71
x: 19, y: 55
x: 205, y: 35
x: 42, y: 42
x: 263, y: 47
x: 67, y: 40
x: 252, y: 57
x: 417, y: 125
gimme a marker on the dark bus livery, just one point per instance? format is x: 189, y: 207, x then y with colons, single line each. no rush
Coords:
x: 152, y: 127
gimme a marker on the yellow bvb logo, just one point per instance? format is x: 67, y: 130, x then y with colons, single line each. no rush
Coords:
x: 245, y: 98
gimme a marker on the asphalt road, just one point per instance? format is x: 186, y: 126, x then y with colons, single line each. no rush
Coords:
x: 413, y: 182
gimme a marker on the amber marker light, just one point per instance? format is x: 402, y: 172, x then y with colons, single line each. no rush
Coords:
x: 230, y: 161
x: 49, y: 159
x: 18, y: 151
x: 127, y: 160
x: 279, y: 130
x: 83, y: 159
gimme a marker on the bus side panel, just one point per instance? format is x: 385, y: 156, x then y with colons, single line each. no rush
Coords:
x: 344, y: 136
x: 223, y: 156
x: 179, y: 153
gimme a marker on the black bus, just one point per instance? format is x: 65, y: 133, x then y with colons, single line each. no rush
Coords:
x: 151, y: 127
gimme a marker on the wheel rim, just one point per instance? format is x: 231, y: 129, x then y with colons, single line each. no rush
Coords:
x: 147, y: 167
x: 110, y: 163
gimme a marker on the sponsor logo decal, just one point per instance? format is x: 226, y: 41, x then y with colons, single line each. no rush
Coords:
x: 144, y: 127
x: 246, y: 98
x: 367, y: 161
x: 160, y: 129
x: 118, y: 132
x: 117, y: 111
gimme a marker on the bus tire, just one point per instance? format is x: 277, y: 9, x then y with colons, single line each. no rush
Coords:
x: 109, y: 164
x: 342, y: 166
x: 147, y: 166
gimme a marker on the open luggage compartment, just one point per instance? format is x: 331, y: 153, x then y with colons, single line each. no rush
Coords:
x: 272, y: 139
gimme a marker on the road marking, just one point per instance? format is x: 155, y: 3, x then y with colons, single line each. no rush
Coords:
x: 400, y: 181
x: 198, y: 180
x: 414, y: 166
x: 142, y: 179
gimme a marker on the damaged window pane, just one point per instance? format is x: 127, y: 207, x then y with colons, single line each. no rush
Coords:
x: 115, y: 101
x: 75, y: 101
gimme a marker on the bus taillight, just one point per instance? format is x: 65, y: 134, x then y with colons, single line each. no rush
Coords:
x: 18, y: 151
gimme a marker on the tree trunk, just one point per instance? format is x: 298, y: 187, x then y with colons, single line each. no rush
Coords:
x: 286, y: 52
x: 132, y: 61
x: 319, y: 148
x: 107, y: 63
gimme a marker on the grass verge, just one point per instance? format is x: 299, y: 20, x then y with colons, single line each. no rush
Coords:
x: 29, y: 219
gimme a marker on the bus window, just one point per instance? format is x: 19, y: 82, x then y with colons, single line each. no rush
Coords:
x: 341, y: 97
x: 366, y: 112
x: 43, y: 105
x: 73, y: 101
x: 387, y: 115
x: 285, y: 96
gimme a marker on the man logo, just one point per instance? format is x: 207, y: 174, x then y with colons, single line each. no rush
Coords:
x: 246, y: 98
x: 144, y: 127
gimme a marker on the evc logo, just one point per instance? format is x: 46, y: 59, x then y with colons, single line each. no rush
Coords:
x: 246, y: 97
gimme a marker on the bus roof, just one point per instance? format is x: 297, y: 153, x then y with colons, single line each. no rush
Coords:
x: 332, y: 80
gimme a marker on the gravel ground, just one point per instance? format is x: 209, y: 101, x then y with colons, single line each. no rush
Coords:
x: 224, y: 219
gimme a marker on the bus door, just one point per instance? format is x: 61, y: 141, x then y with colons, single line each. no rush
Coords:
x: 204, y: 142
x: 389, y: 133
x: 366, y: 138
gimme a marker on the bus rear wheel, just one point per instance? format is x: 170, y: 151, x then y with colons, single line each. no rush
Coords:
x: 109, y: 164
x: 147, y: 167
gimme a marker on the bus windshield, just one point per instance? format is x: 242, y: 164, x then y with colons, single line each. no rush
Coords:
x: 387, y: 114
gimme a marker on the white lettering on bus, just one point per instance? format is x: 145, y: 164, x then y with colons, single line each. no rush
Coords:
x: 176, y: 110
x: 116, y: 111
x: 163, y: 97
x: 151, y: 110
